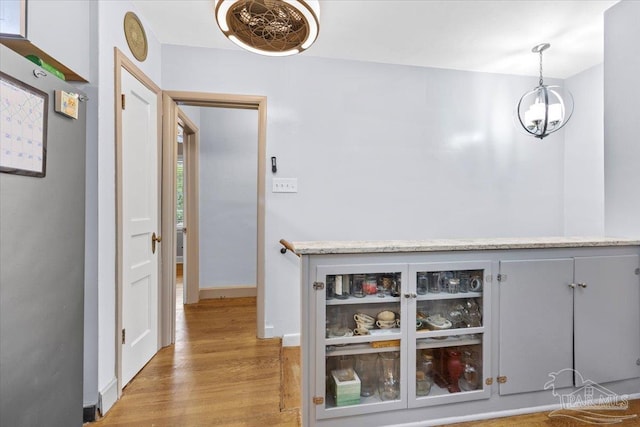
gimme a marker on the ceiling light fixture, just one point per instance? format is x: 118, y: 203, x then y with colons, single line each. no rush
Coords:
x: 270, y: 27
x: 543, y: 111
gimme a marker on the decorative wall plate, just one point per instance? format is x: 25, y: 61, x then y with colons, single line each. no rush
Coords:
x: 135, y: 35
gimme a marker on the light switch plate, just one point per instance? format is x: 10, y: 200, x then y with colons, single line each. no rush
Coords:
x: 285, y: 185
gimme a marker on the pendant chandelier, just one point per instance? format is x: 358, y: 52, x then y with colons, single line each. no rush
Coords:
x: 269, y: 27
x: 543, y: 111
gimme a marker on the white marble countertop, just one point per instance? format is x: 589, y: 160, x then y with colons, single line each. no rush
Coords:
x: 383, y: 246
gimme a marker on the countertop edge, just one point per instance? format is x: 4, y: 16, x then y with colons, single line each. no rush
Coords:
x: 356, y: 247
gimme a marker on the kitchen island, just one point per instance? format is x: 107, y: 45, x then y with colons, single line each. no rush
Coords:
x: 437, y: 331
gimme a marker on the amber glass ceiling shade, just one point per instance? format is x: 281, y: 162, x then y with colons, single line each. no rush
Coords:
x: 269, y: 27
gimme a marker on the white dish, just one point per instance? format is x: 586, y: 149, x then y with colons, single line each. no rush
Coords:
x: 340, y: 333
x: 437, y: 323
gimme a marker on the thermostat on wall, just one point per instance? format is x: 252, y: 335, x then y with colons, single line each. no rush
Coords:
x: 67, y: 104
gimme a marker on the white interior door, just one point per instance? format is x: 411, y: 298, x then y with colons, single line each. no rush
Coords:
x: 139, y: 223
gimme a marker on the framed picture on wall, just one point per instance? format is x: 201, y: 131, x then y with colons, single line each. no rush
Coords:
x: 23, y: 140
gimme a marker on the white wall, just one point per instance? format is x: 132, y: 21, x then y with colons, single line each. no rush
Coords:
x: 384, y: 152
x: 110, y: 19
x: 584, y: 156
x: 621, y: 119
x: 192, y: 112
x: 228, y: 202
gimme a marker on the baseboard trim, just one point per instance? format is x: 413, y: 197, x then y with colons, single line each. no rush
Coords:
x: 268, y: 332
x: 492, y: 415
x: 239, y: 291
x: 108, y: 397
x: 89, y: 413
x: 291, y: 340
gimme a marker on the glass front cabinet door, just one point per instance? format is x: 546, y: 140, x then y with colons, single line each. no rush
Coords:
x: 393, y: 336
x: 360, y: 339
x: 449, y: 344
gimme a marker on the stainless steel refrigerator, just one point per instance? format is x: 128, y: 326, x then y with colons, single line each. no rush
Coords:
x: 42, y: 226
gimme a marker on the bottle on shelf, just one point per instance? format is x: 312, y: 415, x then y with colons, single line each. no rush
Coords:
x: 454, y: 368
x: 424, y: 374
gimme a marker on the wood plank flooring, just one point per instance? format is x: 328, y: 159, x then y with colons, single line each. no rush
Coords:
x: 219, y: 374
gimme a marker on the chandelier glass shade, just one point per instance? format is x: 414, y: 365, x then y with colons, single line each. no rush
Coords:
x: 269, y: 27
x: 545, y: 109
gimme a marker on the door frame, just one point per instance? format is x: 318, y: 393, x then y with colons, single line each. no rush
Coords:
x: 122, y: 62
x: 191, y: 189
x: 170, y: 108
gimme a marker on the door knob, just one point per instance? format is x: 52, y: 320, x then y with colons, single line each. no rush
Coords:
x: 572, y: 285
x: 155, y: 239
x: 582, y: 285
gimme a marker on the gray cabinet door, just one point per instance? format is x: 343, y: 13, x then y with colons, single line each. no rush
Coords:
x: 607, y: 318
x: 536, y: 323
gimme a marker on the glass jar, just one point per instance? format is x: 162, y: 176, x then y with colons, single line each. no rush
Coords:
x: 464, y: 282
x: 424, y: 375
x: 434, y: 283
x: 345, y: 362
x: 370, y: 284
x: 444, y: 280
x: 366, y: 369
x: 357, y: 286
x: 453, y: 286
x: 422, y: 286
x: 389, y: 375
x: 470, y: 376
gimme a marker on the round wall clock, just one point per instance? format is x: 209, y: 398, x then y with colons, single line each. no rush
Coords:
x: 135, y: 35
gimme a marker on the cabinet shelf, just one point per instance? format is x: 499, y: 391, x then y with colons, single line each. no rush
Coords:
x: 375, y: 335
x: 445, y: 295
x: 364, y: 401
x: 368, y: 299
x: 449, y: 332
x: 461, y: 340
x: 358, y: 349
x: 439, y: 395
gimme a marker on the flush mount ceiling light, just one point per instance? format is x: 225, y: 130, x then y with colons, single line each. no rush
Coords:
x: 269, y: 27
x: 543, y: 111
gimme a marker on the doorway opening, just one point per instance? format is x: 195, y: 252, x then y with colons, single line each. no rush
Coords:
x: 173, y: 118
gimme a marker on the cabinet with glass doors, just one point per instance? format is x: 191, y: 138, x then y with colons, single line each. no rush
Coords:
x: 395, y: 336
x: 449, y: 345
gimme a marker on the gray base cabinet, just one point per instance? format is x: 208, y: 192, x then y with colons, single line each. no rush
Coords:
x: 538, y: 323
x: 568, y: 314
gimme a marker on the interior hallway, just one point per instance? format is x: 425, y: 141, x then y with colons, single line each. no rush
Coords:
x: 216, y: 374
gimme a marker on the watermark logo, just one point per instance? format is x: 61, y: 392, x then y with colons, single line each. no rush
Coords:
x: 591, y: 403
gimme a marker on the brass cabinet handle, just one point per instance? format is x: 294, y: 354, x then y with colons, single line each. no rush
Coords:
x: 155, y: 239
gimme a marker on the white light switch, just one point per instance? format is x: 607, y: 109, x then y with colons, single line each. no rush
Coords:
x: 285, y: 185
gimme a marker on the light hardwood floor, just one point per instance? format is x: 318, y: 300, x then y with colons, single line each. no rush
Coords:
x: 216, y: 374
x: 219, y: 374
